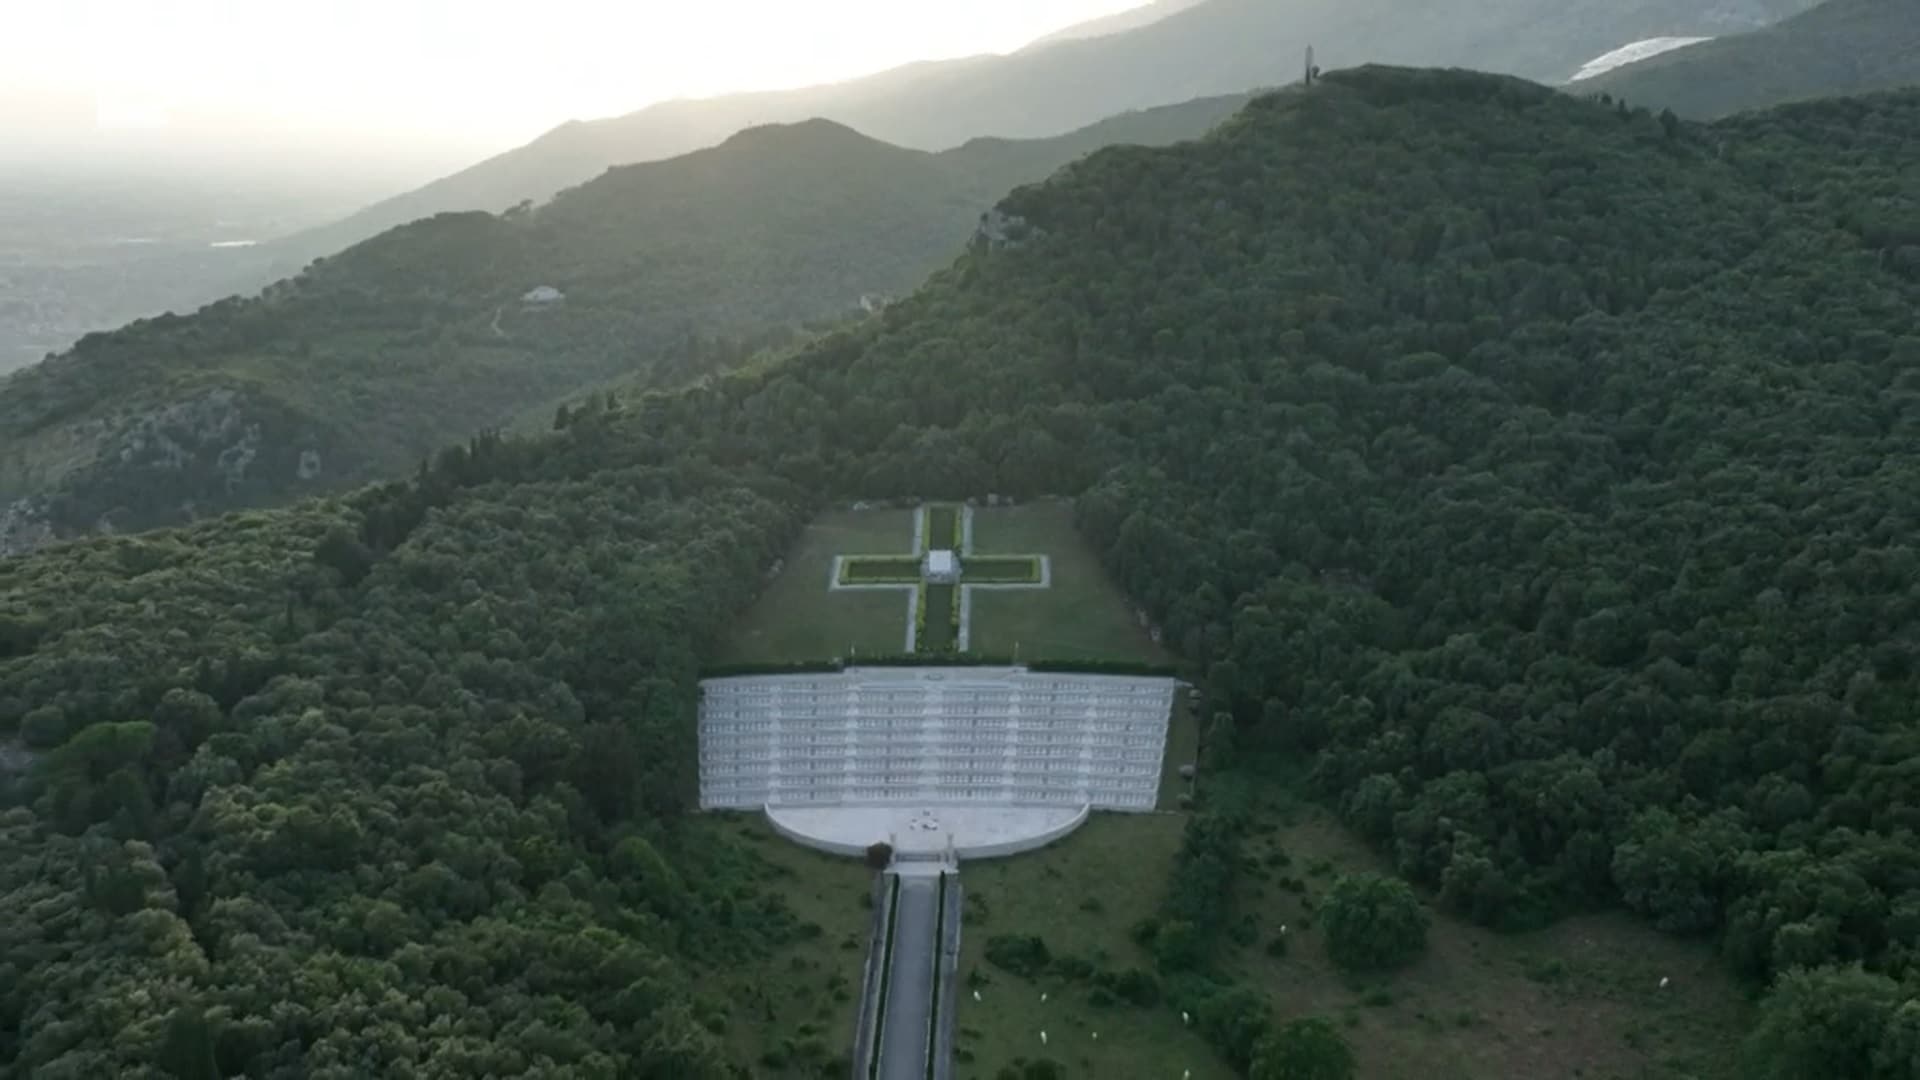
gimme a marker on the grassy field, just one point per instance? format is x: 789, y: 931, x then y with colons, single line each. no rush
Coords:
x: 987, y: 569
x: 1080, y: 896
x: 1580, y: 999
x: 797, y: 618
x: 943, y: 525
x: 867, y: 571
x: 939, y: 624
x: 1081, y: 617
x: 793, y: 1012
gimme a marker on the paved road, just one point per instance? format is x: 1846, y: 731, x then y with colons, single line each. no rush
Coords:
x: 903, y: 1041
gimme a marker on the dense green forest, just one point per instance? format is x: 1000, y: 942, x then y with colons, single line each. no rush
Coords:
x: 369, y: 361
x: 1542, y: 470
x: 1840, y: 47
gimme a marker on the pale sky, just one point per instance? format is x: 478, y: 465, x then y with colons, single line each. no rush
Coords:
x: 484, y: 72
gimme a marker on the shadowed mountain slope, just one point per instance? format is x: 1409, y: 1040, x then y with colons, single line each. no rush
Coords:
x: 369, y: 361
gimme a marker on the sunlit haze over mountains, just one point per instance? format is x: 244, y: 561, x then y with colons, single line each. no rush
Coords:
x: 480, y: 74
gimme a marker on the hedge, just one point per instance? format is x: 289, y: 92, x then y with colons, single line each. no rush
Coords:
x: 1007, y: 569
x: 933, y: 660
x: 777, y: 667
x: 879, y: 570
x: 1105, y: 667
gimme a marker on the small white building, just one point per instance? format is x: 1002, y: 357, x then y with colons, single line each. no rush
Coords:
x: 543, y: 294
x: 941, y: 567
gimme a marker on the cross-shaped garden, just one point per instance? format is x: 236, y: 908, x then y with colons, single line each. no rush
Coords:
x: 939, y: 576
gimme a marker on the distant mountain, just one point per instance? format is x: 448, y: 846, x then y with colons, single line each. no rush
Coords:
x: 1118, y: 22
x: 1840, y: 47
x: 367, y: 362
x: 1213, y: 47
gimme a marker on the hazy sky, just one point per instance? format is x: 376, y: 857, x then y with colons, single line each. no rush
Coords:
x: 481, y: 72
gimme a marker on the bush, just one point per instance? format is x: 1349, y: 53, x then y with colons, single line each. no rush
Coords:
x: 1373, y: 923
x: 1144, y: 932
x: 1133, y: 986
x: 1305, y: 1049
x: 1021, y: 954
x: 1178, y: 947
x: 1072, y: 966
x: 1236, y: 1020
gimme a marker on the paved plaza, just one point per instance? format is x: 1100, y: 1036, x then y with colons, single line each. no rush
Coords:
x: 950, y: 833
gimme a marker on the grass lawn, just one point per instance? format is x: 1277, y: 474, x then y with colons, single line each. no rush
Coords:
x: 1116, y: 865
x: 862, y: 571
x: 987, y: 569
x: 1579, y: 999
x: 1082, y: 617
x: 798, y: 1002
x: 939, y: 624
x: 943, y: 527
x: 797, y: 618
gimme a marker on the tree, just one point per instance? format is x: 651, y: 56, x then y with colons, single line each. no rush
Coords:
x: 187, y: 1052
x: 879, y: 855
x: 1373, y: 923
x: 1309, y: 1048
x: 1826, y: 1021
x: 1235, y: 1020
x: 1218, y: 748
x: 342, y: 552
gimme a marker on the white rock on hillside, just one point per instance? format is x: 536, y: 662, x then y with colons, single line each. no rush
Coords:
x: 1628, y: 54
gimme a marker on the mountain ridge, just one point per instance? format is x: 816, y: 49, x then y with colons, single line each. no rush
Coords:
x: 374, y: 358
x: 1839, y: 47
x: 1211, y: 48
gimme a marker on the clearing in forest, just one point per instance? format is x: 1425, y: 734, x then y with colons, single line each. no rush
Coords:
x: 943, y: 579
x: 1580, y: 998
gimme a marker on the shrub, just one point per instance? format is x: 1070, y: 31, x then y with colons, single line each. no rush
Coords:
x: 1021, y: 954
x: 1072, y: 966
x: 1309, y: 1048
x: 1133, y: 986
x: 1373, y: 923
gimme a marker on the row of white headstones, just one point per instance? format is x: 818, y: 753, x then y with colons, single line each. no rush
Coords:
x: 912, y: 589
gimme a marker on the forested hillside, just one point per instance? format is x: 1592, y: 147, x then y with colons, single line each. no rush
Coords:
x: 1840, y: 47
x: 1213, y: 47
x: 1541, y: 470
x: 369, y: 361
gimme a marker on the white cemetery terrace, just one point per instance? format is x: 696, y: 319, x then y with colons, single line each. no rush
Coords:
x: 944, y: 762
